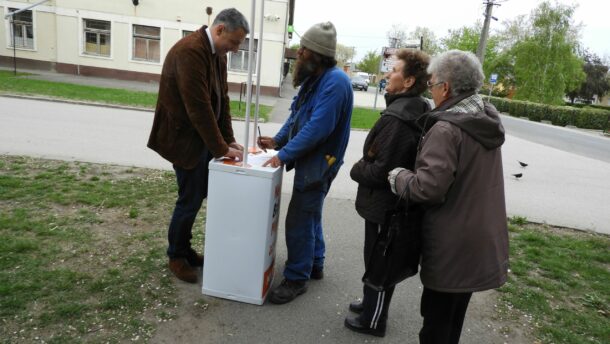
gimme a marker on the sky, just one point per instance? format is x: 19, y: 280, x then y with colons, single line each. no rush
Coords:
x: 364, y: 24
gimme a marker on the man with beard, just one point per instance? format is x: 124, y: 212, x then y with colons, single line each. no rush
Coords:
x: 313, y: 142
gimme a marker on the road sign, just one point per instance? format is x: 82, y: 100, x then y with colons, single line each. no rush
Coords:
x: 388, y: 59
x: 493, y: 78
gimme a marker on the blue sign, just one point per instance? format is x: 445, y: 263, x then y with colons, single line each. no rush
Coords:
x: 493, y: 78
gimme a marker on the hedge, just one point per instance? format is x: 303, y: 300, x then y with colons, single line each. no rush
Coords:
x: 585, y: 118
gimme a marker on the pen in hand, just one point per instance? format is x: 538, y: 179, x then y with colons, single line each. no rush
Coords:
x: 259, y: 137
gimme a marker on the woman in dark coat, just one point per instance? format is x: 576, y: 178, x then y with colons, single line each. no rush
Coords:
x: 391, y: 143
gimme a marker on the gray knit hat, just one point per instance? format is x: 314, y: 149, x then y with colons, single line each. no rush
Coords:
x: 321, y: 38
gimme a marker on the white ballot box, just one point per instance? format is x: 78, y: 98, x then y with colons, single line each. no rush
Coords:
x: 241, y: 229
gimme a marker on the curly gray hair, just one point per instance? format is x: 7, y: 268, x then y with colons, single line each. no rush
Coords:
x: 461, y: 69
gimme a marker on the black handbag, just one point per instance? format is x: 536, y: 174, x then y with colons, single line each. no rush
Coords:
x: 396, y: 253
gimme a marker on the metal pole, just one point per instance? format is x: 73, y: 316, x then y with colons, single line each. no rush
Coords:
x: 485, y: 32
x: 378, y: 72
x: 259, y: 53
x: 249, y: 90
x: 12, y: 15
x: 14, y: 46
x: 25, y: 8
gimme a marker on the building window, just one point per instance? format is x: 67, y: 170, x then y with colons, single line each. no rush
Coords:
x: 96, y: 37
x: 186, y: 33
x: 22, y: 29
x: 146, y: 43
x: 239, y: 61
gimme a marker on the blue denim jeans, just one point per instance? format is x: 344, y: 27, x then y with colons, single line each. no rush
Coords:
x: 304, y: 234
x: 192, y: 190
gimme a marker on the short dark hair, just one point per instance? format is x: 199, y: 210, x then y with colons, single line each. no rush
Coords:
x: 416, y: 63
x: 232, y: 19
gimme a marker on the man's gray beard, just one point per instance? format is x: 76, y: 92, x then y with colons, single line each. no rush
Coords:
x: 302, y: 70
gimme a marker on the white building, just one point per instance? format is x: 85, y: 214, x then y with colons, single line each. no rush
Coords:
x: 128, y: 39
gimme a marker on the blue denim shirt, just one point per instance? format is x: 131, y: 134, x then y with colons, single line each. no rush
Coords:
x: 314, y: 138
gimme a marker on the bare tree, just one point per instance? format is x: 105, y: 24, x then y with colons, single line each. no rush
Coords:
x: 431, y: 45
x: 397, y: 36
x: 344, y: 54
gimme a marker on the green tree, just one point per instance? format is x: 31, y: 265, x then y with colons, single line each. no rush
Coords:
x: 514, y: 30
x: 546, y: 65
x: 370, y: 63
x: 466, y: 38
x: 596, y: 82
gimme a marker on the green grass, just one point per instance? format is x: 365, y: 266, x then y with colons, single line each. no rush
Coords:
x: 363, y: 118
x: 560, y: 283
x: 82, y: 255
x: 26, y: 86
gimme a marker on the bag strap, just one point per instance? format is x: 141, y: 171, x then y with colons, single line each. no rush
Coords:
x: 404, y: 192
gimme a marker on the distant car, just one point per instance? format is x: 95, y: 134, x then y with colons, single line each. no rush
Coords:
x: 360, y: 83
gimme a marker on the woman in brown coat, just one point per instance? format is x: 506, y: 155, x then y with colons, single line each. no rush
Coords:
x: 392, y: 142
x: 458, y: 177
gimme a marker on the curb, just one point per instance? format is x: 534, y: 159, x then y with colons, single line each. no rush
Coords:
x: 76, y: 102
x: 91, y: 103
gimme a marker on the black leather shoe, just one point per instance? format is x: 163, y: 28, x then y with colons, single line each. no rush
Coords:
x: 287, y: 291
x: 316, y: 273
x: 356, y: 307
x: 356, y: 324
x: 194, y: 259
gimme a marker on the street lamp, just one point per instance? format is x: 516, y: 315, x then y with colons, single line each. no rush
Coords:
x: 12, y: 15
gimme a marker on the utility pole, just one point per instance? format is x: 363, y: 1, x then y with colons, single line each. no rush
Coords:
x: 485, y: 33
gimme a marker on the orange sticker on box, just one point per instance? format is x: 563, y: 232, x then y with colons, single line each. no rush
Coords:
x: 267, y: 278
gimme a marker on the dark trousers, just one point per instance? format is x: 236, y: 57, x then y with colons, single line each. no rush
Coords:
x: 304, y: 233
x: 376, y: 303
x: 192, y: 190
x: 443, y: 315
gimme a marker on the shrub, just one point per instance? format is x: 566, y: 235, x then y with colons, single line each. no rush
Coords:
x: 588, y: 117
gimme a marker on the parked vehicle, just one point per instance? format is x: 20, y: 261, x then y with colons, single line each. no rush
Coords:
x: 360, y: 83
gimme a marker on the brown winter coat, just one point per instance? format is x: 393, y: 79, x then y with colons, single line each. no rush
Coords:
x: 458, y: 176
x: 193, y: 81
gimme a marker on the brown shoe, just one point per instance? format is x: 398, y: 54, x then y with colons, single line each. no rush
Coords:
x: 181, y: 269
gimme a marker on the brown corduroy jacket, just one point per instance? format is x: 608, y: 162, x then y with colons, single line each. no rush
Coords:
x: 185, y: 121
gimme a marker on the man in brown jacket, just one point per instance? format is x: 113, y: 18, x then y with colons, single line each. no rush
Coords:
x: 458, y: 177
x: 192, y: 124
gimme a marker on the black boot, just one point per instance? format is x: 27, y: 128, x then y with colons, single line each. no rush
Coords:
x: 356, y: 306
x: 287, y: 291
x: 358, y: 324
x: 317, y: 273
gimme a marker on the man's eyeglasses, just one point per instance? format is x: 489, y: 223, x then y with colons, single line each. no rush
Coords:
x: 430, y: 85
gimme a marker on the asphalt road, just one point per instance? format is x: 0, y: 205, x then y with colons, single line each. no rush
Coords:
x: 558, y: 187
x: 584, y: 143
